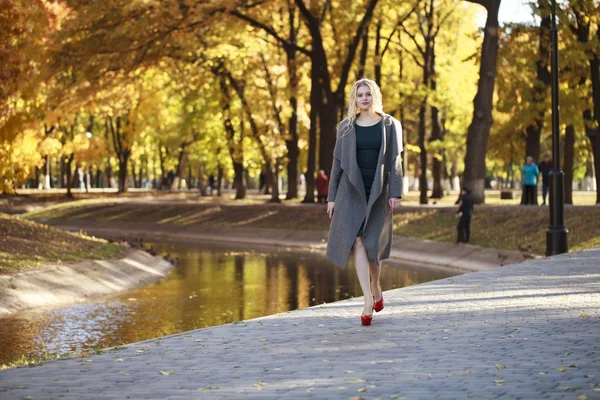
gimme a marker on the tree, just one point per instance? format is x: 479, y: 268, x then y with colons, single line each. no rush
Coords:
x: 583, y: 19
x: 479, y: 130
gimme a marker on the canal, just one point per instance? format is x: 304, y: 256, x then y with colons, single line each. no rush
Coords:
x: 211, y: 285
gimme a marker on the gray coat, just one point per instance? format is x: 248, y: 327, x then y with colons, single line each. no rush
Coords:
x: 347, y: 190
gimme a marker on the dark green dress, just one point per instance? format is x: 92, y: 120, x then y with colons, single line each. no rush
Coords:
x: 368, y: 144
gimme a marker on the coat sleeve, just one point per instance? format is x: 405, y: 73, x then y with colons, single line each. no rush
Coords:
x: 336, y: 170
x: 396, y: 161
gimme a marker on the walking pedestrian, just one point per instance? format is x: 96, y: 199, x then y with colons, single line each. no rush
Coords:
x: 365, y: 186
x: 465, y: 210
x: 530, y: 176
x: 545, y: 167
x: 322, y: 187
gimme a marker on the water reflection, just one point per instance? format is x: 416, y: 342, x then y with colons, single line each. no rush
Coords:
x: 211, y: 285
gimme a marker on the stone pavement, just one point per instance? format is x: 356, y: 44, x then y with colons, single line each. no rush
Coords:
x: 527, y: 331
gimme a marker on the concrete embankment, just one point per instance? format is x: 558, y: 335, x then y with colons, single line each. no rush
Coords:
x: 467, y: 258
x: 61, y: 284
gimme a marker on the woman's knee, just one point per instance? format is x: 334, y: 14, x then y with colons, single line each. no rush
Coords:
x: 358, y: 244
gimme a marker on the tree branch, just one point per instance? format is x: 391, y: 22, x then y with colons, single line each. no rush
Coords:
x: 366, y: 20
x: 270, y: 31
x: 400, y: 22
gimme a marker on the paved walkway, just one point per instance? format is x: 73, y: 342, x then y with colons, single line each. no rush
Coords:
x: 528, y: 331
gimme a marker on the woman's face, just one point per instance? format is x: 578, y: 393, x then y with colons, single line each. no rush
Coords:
x: 364, y: 98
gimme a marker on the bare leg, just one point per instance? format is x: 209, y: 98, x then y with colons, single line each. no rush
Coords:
x: 362, y: 271
x: 375, y: 271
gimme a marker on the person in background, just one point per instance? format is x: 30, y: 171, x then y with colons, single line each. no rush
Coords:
x: 465, y: 210
x: 530, y: 176
x: 322, y: 187
x: 545, y: 167
x: 211, y: 183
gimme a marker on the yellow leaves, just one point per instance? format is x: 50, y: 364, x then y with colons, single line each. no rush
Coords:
x: 18, y: 159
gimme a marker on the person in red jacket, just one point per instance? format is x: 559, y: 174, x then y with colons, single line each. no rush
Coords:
x: 322, y: 186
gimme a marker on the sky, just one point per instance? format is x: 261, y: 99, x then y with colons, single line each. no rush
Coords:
x: 511, y: 11
x: 515, y: 11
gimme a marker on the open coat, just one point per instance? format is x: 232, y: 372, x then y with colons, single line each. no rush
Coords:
x: 347, y: 190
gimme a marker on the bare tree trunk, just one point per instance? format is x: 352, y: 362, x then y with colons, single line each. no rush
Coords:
x: 479, y: 130
x: 219, y: 179
x: 315, y: 91
x: 201, y: 183
x: 362, y: 61
x: 292, y: 141
x: 423, y: 153
x: 437, y: 133
x: 69, y: 174
x: 569, y: 161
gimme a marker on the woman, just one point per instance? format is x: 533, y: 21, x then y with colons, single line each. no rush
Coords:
x: 365, y: 186
x: 530, y: 174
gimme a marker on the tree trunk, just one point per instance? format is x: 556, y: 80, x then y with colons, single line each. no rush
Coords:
x: 97, y: 178
x: 235, y: 148
x: 123, y: 161
x: 275, y: 183
x: 479, y: 130
x: 108, y: 174
x: 201, y: 183
x: 69, y: 174
x: 292, y: 141
x: 362, y: 61
x: 219, y: 179
x: 541, y: 87
x: 48, y: 175
x: 315, y: 91
x: 437, y: 134
x: 423, y: 153
x: 133, y: 173
x: 239, y: 181
x: 378, y: 55
x: 594, y: 134
x: 568, y: 163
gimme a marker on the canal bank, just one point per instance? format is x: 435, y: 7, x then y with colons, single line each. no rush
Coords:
x: 525, y: 331
x: 61, y: 284
x: 68, y: 283
x: 463, y: 257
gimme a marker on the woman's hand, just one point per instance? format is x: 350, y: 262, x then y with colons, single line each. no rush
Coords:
x: 394, y: 203
x: 330, y: 207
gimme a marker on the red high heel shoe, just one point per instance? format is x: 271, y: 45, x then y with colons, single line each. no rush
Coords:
x: 366, y: 319
x: 378, y: 305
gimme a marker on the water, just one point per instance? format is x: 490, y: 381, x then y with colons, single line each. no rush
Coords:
x: 212, y: 285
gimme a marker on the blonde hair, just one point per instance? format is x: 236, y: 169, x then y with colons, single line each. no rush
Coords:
x: 375, y: 92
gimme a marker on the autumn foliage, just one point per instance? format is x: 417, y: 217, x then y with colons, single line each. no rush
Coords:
x: 160, y: 92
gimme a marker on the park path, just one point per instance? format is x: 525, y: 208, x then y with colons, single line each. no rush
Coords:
x: 526, y: 331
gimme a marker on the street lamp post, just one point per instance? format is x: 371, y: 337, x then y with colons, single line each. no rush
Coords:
x: 556, y: 236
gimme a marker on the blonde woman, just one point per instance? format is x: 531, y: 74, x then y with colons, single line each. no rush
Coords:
x: 365, y: 186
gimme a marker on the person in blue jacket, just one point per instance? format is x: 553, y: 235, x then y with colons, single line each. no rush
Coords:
x: 530, y: 176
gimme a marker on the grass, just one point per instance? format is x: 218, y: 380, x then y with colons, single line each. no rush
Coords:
x: 511, y: 227
x: 25, y: 243
x: 504, y: 227
x: 34, y: 361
